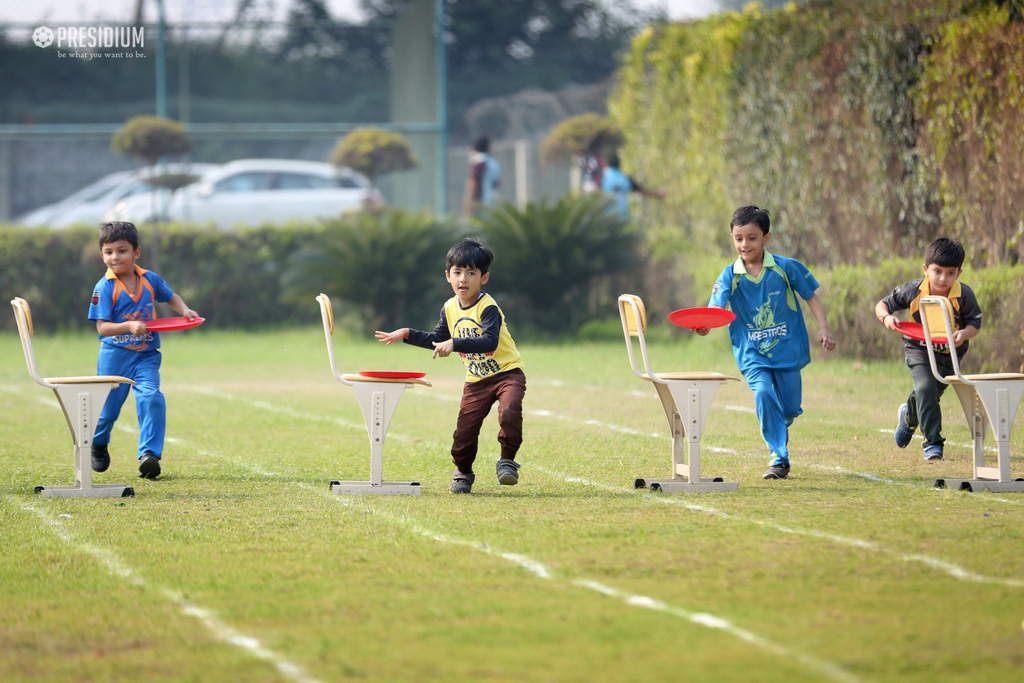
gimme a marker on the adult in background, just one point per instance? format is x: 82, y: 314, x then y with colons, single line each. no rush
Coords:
x: 483, y: 178
x: 617, y: 184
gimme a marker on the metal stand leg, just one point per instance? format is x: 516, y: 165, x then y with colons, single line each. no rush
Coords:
x: 378, y: 402
x: 82, y: 410
x: 695, y: 396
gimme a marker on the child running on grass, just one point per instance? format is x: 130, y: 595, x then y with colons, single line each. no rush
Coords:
x: 942, y: 267
x: 122, y: 302
x: 769, y: 337
x: 473, y: 326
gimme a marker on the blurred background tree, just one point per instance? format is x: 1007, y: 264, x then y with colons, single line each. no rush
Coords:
x: 374, y: 152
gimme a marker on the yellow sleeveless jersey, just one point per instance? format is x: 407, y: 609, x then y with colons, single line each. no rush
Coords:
x: 466, y: 323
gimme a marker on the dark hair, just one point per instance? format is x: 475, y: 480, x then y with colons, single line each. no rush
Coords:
x: 470, y: 253
x: 613, y: 160
x: 482, y: 144
x: 945, y: 252
x: 119, y: 230
x: 745, y: 215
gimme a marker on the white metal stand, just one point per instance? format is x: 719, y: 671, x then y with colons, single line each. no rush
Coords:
x: 686, y: 398
x: 378, y: 398
x: 81, y: 399
x: 987, y: 400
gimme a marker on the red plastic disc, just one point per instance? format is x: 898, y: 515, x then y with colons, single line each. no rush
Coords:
x: 168, y: 324
x: 701, y: 318
x: 916, y: 331
x: 394, y: 375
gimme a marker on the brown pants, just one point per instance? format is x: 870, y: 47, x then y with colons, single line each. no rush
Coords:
x: 508, y: 389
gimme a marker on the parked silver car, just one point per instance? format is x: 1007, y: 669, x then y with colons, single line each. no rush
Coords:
x: 88, y: 205
x: 257, y: 191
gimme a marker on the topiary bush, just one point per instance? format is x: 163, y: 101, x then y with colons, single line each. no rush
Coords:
x: 388, y: 267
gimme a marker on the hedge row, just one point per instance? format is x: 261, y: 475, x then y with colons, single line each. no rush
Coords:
x: 250, y: 279
x: 866, y: 128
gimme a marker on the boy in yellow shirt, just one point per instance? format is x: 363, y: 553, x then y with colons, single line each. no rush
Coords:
x: 473, y: 326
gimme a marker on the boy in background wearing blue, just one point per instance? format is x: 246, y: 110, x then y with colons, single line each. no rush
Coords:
x: 769, y: 337
x: 473, y: 326
x: 942, y: 268
x: 122, y: 302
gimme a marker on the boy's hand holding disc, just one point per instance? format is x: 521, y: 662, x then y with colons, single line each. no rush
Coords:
x: 701, y: 320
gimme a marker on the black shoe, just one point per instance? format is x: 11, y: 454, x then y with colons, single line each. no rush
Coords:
x: 777, y: 472
x: 462, y: 482
x: 508, y: 472
x: 100, y: 458
x: 149, y: 466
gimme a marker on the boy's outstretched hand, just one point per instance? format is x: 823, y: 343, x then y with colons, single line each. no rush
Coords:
x: 443, y: 349
x: 828, y: 342
x: 388, y: 337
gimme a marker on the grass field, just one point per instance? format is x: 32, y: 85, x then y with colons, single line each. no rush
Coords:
x: 238, y: 564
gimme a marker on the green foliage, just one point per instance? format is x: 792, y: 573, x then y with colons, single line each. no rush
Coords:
x: 971, y: 99
x: 150, y: 138
x: 230, y: 278
x: 374, y: 152
x: 867, y: 129
x: 551, y: 258
x: 577, y: 136
x: 379, y: 264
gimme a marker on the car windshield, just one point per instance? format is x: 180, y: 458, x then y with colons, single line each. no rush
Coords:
x: 247, y: 181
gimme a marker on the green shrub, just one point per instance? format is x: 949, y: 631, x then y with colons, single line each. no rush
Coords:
x: 553, y: 262
x: 230, y: 278
x: 387, y: 266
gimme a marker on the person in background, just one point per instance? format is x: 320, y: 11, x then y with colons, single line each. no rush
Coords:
x: 618, y: 185
x: 483, y: 178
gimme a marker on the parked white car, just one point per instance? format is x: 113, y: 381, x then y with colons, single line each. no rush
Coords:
x: 91, y: 203
x: 257, y: 191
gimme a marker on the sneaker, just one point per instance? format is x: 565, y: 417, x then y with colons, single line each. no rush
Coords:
x: 100, y: 458
x: 777, y: 472
x: 462, y: 482
x: 904, y: 432
x: 508, y: 472
x: 149, y: 466
x: 933, y: 452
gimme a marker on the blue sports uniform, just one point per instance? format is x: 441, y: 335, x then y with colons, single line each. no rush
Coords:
x: 618, y: 185
x: 769, y: 339
x: 137, y: 358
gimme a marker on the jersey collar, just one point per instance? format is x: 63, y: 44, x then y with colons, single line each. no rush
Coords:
x: 738, y: 268
x: 954, y: 292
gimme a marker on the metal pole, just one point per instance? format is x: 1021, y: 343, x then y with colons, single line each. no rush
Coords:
x: 442, y: 106
x: 161, y: 62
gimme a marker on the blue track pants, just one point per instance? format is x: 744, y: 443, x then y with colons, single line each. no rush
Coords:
x: 144, y: 368
x: 777, y: 396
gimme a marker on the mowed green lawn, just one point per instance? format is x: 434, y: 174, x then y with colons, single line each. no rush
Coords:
x: 239, y: 564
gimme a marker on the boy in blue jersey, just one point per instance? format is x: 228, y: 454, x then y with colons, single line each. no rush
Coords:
x: 769, y: 337
x: 122, y: 301
x: 473, y: 326
x: 942, y: 267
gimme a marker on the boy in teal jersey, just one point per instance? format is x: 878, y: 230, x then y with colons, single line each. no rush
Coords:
x: 473, y: 326
x: 769, y: 337
x: 122, y: 302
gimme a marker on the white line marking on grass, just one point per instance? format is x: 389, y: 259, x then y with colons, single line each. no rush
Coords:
x: 949, y: 568
x: 541, y: 571
x: 990, y: 449
x: 291, y: 412
x: 699, y: 618
x: 221, y: 630
x: 741, y: 409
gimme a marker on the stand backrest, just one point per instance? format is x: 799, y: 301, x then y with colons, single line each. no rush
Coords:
x: 23, y: 315
x: 327, y: 314
x: 634, y: 324
x: 933, y: 309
